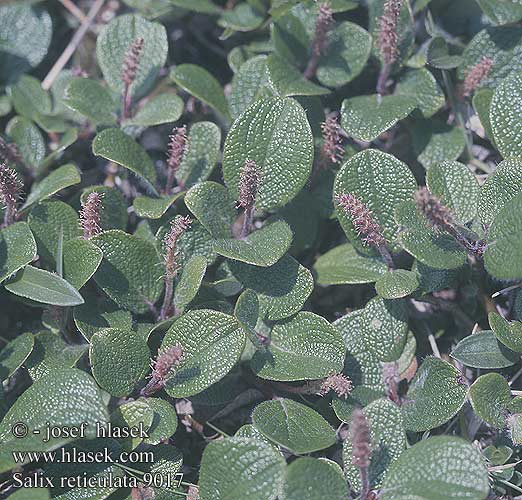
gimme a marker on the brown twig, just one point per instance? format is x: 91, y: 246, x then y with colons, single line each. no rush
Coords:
x: 74, y: 10
x: 72, y: 46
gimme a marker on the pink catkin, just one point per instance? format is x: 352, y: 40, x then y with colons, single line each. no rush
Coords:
x: 362, y: 219
x: 431, y: 207
x: 323, y: 25
x: 388, y: 36
x: 361, y: 449
x: 10, y: 189
x: 332, y: 148
x: 338, y: 383
x: 249, y: 182
x: 90, y: 215
x: 170, y: 243
x: 476, y: 74
x: 131, y: 61
x: 176, y: 149
x: 177, y: 227
x: 129, y: 71
x: 163, y: 366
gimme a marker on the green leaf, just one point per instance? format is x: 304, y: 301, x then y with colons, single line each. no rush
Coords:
x: 26, y: 36
x: 501, y: 12
x: 17, y: 248
x: 435, y: 395
x: 366, y: 175
x: 133, y: 414
x: 367, y: 117
x: 90, y: 99
x: 203, y: 6
x: 114, y: 145
x: 387, y: 441
x: 154, y: 208
x: 303, y: 347
x: 396, y: 284
x: 503, y: 257
x: 435, y: 142
x: 384, y: 328
x: 14, y: 354
x: 248, y: 84
x: 81, y: 259
x: 502, y: 45
x: 43, y: 286
x: 28, y: 139
x: 159, y: 109
x: 198, y: 82
x: 490, y: 395
x: 361, y: 365
x: 241, y: 468
x: 433, y: 280
x: 346, y: 53
x: 130, y: 272
x: 348, y: 50
x: 457, y: 187
x: 344, y: 266
x: 314, y: 479
x: 483, y: 350
x: 113, y: 43
x: 293, y: 425
x: 263, y: 247
x: 514, y: 422
x: 164, y: 422
x: 482, y: 103
x: 441, y: 55
x: 242, y: 17
x: 421, y: 85
x: 212, y: 206
x: 67, y: 400
x: 32, y: 494
x: 500, y: 187
x: 505, y: 125
x: 283, y: 137
x: 282, y: 288
x: 61, y: 178
x: 432, y: 248
x: 190, y: 281
x: 119, y: 358
x: 212, y: 343
x: 509, y: 333
x: 97, y: 314
x: 50, y: 221
x: 204, y: 146
x: 52, y: 353
x: 288, y: 80
x: 435, y: 468
x: 29, y: 98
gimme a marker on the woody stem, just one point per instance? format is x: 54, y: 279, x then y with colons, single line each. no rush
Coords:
x: 167, y: 299
x: 247, y: 222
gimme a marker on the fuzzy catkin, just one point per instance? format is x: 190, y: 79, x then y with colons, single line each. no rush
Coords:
x: 90, y: 215
x: 332, y: 141
x: 388, y: 35
x: 131, y: 61
x: 10, y: 189
x: 362, y: 219
x: 476, y: 74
